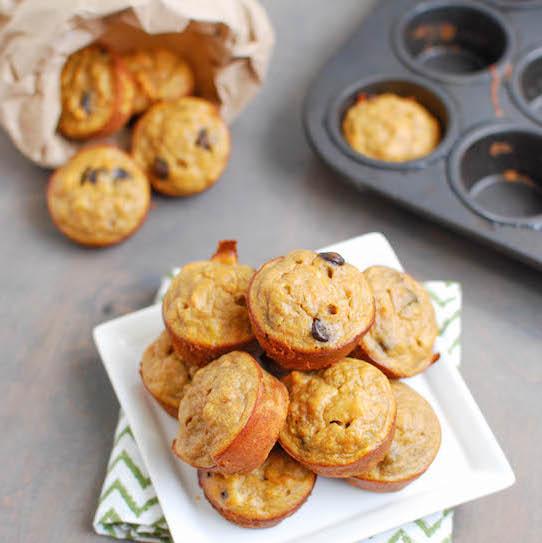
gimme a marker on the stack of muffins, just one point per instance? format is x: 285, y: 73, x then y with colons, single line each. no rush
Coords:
x: 324, y: 396
x: 180, y: 144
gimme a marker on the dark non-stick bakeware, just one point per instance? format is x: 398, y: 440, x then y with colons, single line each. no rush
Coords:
x: 477, y: 67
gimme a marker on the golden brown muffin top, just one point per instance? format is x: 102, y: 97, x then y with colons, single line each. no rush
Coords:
x: 88, y: 87
x: 158, y: 74
x: 391, y: 128
x: 416, y: 440
x: 270, y: 491
x: 206, y: 301
x: 164, y: 373
x: 311, y: 301
x: 99, y: 196
x: 216, y: 407
x: 183, y: 145
x: 405, y: 327
x: 339, y: 414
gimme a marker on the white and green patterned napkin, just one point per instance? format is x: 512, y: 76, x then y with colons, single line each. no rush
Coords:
x: 128, y: 507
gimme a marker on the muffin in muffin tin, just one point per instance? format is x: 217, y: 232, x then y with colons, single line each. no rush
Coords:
x: 341, y: 419
x: 263, y: 497
x: 414, y: 447
x: 401, y: 341
x: 96, y: 93
x: 309, y: 310
x: 391, y: 128
x: 204, y: 309
x: 230, y: 415
x: 164, y: 374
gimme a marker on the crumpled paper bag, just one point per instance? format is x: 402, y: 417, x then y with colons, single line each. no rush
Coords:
x: 227, y: 42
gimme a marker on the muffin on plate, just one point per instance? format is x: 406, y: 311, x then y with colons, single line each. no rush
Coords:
x: 158, y: 74
x: 401, y: 341
x: 205, y: 310
x: 230, y: 416
x: 391, y: 128
x: 414, y: 447
x: 96, y: 93
x: 164, y: 374
x: 263, y: 497
x: 182, y: 145
x: 340, y: 420
x: 309, y: 310
x: 99, y: 197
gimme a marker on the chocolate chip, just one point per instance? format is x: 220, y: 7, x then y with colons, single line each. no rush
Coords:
x: 224, y: 495
x: 334, y: 258
x: 209, y: 474
x: 160, y: 168
x: 119, y: 173
x: 89, y: 175
x: 86, y: 102
x: 203, y: 140
x: 319, y: 331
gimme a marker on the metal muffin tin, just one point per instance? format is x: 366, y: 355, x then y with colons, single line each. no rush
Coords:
x: 477, y: 67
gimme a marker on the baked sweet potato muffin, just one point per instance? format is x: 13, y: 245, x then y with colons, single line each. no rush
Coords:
x: 309, y: 310
x: 96, y: 93
x: 263, y: 497
x: 391, y: 128
x: 414, y: 447
x: 164, y: 374
x: 182, y: 145
x: 230, y: 416
x: 401, y: 341
x: 158, y: 74
x: 99, y: 197
x: 341, y: 419
x: 204, y: 309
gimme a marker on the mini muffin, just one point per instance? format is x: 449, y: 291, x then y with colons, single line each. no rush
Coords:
x: 99, y: 197
x: 158, y: 74
x: 263, y: 497
x: 230, y: 416
x: 205, y: 310
x: 309, y: 310
x: 183, y: 145
x: 414, y: 447
x: 341, y: 419
x: 96, y: 93
x: 401, y: 340
x: 390, y: 128
x: 164, y: 374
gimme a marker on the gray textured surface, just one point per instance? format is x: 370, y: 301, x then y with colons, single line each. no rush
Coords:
x: 57, y: 410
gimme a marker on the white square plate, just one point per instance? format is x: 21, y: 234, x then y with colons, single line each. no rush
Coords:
x: 470, y: 463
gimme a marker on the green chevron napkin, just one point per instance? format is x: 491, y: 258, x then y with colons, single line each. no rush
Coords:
x: 128, y: 507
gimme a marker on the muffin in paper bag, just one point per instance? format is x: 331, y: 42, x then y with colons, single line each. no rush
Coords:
x: 227, y: 43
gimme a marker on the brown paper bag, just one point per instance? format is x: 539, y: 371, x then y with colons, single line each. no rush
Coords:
x: 227, y: 42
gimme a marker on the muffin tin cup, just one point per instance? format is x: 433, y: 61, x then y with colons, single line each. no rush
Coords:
x: 426, y: 94
x: 461, y: 60
x: 453, y: 41
x: 526, y: 83
x: 496, y: 170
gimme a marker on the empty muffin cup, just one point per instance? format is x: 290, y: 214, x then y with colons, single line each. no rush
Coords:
x: 526, y: 83
x: 496, y: 171
x: 438, y: 107
x: 453, y: 41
